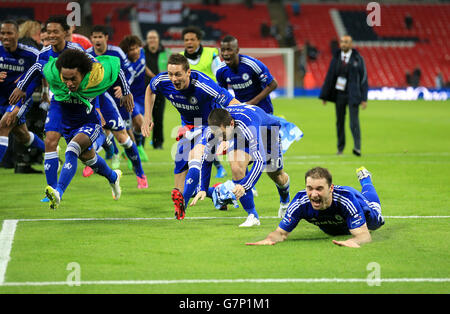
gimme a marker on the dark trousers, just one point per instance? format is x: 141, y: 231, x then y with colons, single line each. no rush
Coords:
x: 341, y: 108
x: 158, y: 117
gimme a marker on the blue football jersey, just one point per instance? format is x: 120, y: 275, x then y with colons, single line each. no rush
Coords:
x: 347, y: 211
x: 15, y: 64
x: 197, y: 100
x: 138, y: 85
x: 247, y: 80
x: 74, y: 114
x: 250, y: 123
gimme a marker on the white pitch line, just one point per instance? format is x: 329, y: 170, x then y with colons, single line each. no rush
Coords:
x: 6, y: 240
x: 197, y: 218
x: 222, y: 281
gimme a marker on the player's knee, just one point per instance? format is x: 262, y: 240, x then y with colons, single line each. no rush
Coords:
x: 51, y: 141
x: 126, y: 143
x: 237, y: 171
x: 21, y: 134
x: 121, y: 136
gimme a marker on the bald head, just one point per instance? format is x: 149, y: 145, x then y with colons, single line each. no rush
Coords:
x: 152, y: 40
x: 346, y: 43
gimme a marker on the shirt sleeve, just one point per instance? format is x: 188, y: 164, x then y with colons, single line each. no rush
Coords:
x: 223, y: 97
x: 251, y: 136
x: 293, y: 214
x: 352, y: 210
x: 33, y: 74
x: 264, y: 75
x: 122, y: 82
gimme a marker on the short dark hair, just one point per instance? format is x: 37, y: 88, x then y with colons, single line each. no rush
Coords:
x: 192, y: 29
x: 219, y: 117
x: 74, y: 59
x: 58, y: 19
x: 128, y: 41
x: 16, y: 25
x: 319, y: 173
x: 100, y: 29
x: 179, y: 59
x: 229, y: 39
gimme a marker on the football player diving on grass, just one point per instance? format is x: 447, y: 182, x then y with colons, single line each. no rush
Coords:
x: 336, y: 210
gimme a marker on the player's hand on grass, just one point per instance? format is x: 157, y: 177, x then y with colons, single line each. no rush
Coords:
x: 262, y: 242
x: 347, y: 243
x: 127, y: 102
x: 200, y: 196
x: 16, y: 96
x: 238, y: 191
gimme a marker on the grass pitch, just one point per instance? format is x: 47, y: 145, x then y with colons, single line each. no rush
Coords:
x: 135, y: 246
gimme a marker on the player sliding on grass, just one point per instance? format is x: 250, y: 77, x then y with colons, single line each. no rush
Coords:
x: 194, y: 95
x: 337, y: 210
x: 253, y: 136
x: 76, y: 81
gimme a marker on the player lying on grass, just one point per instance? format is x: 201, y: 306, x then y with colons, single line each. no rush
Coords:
x: 336, y: 210
x: 253, y: 137
x: 76, y: 81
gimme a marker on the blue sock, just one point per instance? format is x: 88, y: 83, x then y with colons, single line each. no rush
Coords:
x: 35, y: 142
x: 99, y: 165
x: 133, y: 155
x: 247, y: 201
x: 283, y: 191
x: 368, y: 190
x: 191, y: 180
x: 70, y: 167
x: 51, y: 162
x: 138, y: 137
x: 108, y: 146
x: 3, y: 146
x: 210, y: 192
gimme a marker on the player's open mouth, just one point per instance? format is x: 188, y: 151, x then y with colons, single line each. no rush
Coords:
x: 316, y: 202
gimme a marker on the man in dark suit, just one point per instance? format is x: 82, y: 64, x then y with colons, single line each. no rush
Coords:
x: 346, y: 84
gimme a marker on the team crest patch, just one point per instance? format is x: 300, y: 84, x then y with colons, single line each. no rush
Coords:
x: 193, y: 100
x: 245, y: 76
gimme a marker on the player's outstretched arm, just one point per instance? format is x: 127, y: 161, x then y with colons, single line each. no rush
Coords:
x: 279, y: 235
x: 147, y: 126
x: 360, y: 235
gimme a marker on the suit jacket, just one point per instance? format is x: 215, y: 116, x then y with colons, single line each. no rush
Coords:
x: 357, y: 84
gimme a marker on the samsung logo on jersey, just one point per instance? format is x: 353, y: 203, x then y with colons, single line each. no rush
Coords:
x: 76, y: 101
x: 10, y: 67
x: 242, y: 86
x: 184, y: 106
